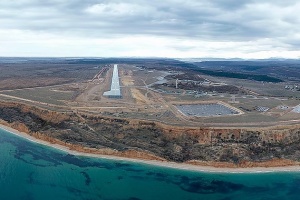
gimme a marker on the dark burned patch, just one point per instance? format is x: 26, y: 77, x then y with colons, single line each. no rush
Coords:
x: 188, y: 75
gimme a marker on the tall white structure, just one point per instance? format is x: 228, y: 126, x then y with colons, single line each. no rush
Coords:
x: 115, y: 91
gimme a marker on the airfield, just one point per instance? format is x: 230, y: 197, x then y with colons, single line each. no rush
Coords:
x: 167, y: 95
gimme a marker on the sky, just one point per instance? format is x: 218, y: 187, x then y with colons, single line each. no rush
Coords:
x: 150, y: 28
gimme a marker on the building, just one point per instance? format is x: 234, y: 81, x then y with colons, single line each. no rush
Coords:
x: 115, y: 91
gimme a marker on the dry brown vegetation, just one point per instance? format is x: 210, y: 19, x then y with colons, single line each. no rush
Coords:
x: 277, y: 146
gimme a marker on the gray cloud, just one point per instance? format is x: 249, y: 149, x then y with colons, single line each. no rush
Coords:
x: 215, y: 20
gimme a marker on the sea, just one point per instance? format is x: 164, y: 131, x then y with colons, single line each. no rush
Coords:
x: 33, y: 171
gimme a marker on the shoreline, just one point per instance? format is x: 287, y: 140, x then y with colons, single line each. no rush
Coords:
x: 166, y: 164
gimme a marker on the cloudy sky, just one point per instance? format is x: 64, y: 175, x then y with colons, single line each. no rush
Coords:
x: 150, y: 28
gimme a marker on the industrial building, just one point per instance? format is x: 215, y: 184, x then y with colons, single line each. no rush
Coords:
x: 115, y: 91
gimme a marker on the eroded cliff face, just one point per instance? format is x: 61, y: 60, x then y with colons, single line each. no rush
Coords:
x: 150, y: 140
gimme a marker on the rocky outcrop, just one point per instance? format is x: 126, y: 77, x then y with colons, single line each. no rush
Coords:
x: 274, y: 146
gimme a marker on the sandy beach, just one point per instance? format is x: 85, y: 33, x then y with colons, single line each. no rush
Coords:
x: 181, y: 166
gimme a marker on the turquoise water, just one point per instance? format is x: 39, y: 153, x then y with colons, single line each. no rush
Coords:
x: 33, y: 171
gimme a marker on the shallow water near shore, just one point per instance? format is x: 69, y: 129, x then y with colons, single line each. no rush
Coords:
x: 33, y: 171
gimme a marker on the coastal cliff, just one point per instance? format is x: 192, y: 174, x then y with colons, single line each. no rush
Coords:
x: 219, y: 147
